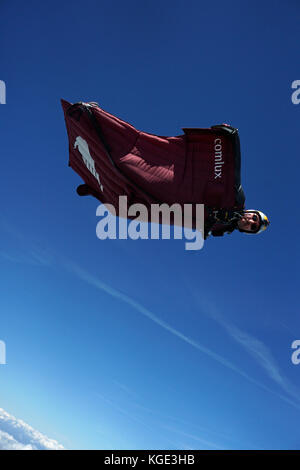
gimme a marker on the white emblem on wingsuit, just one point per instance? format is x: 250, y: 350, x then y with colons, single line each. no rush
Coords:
x: 89, y: 162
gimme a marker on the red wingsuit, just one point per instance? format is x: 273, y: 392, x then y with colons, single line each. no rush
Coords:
x: 114, y: 159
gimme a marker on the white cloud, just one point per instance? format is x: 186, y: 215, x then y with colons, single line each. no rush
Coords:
x: 15, y: 434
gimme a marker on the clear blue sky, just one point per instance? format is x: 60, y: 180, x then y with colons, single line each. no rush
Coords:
x: 124, y: 344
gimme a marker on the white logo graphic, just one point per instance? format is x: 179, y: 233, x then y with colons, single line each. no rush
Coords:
x: 295, y: 96
x: 89, y: 162
x: 2, y: 92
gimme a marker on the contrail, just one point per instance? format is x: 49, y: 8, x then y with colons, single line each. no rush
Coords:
x: 92, y: 280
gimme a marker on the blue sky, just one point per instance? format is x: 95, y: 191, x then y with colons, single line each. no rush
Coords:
x: 123, y: 344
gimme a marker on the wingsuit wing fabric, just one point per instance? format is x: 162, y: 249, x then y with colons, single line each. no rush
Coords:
x: 114, y: 159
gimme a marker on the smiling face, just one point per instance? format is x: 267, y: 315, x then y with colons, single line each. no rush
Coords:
x: 249, y: 222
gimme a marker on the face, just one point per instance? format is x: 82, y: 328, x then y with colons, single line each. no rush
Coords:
x: 249, y: 222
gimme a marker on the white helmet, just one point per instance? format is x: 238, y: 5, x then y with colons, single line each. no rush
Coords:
x: 264, y: 221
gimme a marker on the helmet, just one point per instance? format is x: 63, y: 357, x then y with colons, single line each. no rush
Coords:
x: 264, y: 221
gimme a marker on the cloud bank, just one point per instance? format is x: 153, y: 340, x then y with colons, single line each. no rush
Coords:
x: 15, y: 434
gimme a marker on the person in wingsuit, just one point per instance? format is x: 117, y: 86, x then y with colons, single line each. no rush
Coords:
x: 202, y: 166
